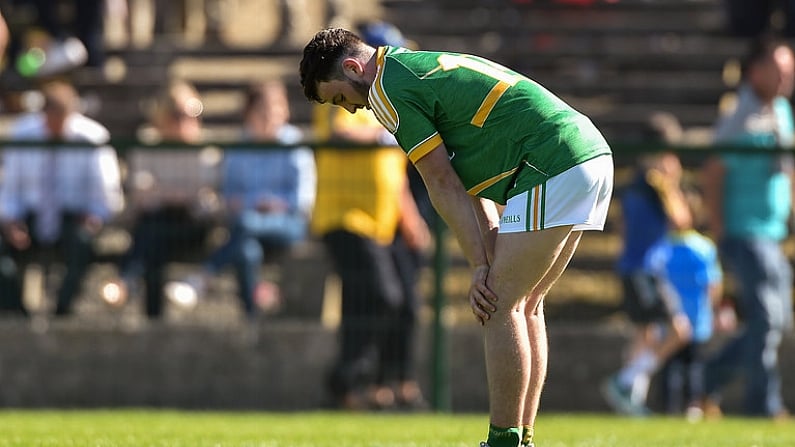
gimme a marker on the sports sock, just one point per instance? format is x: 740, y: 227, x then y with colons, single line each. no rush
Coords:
x: 504, y: 437
x: 644, y: 363
x: 527, y: 435
x: 640, y: 389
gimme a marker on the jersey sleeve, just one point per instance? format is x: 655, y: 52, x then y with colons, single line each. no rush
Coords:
x: 406, y: 108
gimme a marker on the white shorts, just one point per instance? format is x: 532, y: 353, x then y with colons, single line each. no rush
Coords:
x: 579, y: 196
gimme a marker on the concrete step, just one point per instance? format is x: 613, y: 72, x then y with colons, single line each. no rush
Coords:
x: 281, y: 366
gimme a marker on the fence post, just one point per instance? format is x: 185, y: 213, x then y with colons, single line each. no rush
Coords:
x: 440, y: 398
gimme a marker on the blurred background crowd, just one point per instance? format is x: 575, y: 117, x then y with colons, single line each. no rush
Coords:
x: 194, y: 184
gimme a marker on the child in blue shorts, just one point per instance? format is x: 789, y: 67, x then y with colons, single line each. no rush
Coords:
x: 686, y: 268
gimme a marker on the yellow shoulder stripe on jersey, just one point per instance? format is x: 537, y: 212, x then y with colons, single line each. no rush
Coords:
x: 489, y: 102
x: 485, y: 184
x: 422, y: 148
x: 379, y: 102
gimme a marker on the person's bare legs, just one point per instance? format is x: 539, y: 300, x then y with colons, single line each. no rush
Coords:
x: 537, y: 329
x: 521, y: 261
x: 539, y: 351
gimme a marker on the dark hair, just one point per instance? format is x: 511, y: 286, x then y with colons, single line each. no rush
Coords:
x: 60, y: 96
x: 258, y: 91
x: 761, y: 49
x: 321, y: 57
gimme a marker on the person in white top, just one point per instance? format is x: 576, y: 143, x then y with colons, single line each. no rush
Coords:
x: 172, y: 192
x: 55, y: 197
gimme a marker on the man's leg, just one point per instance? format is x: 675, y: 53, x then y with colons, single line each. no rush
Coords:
x: 370, y: 292
x: 539, y: 355
x: 537, y: 332
x: 77, y: 246
x: 521, y: 261
x: 11, y: 273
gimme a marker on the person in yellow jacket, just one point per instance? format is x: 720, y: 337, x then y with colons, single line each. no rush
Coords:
x: 369, y: 223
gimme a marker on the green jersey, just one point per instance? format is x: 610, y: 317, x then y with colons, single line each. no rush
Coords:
x: 504, y: 133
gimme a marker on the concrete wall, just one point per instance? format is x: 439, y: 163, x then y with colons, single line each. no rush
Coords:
x: 277, y: 366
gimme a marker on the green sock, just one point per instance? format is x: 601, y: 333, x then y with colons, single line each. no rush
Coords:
x: 527, y: 435
x: 504, y: 437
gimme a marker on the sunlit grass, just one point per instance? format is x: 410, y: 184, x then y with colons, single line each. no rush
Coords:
x: 140, y: 428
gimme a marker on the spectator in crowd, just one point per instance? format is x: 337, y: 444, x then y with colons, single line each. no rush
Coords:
x: 269, y: 193
x: 749, y: 203
x: 56, y: 197
x: 363, y: 203
x: 172, y: 197
x: 397, y: 376
x: 684, y: 265
x: 652, y: 205
x: 380, y: 33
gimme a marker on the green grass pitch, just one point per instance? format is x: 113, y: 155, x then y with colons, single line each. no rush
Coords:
x: 164, y: 428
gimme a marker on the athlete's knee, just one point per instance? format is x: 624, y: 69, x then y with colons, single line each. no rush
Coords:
x: 534, y: 306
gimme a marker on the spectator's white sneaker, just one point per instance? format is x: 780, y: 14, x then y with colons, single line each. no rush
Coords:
x: 181, y: 294
x: 115, y: 292
x: 186, y: 293
x: 620, y: 398
x: 267, y: 296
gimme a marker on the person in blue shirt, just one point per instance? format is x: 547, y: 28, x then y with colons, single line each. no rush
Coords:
x: 269, y: 195
x: 652, y: 204
x: 685, y: 267
x: 748, y: 197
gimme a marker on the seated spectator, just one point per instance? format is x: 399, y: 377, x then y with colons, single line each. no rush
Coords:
x: 172, y: 197
x: 269, y: 194
x: 55, y: 198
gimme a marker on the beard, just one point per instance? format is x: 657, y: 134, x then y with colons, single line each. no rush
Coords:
x: 362, y: 88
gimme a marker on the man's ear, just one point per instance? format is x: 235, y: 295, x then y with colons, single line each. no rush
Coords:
x: 352, y: 67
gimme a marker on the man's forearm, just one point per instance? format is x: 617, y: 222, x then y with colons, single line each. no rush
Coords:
x: 489, y: 222
x: 453, y: 204
x: 455, y: 207
x: 712, y: 184
x: 4, y: 36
